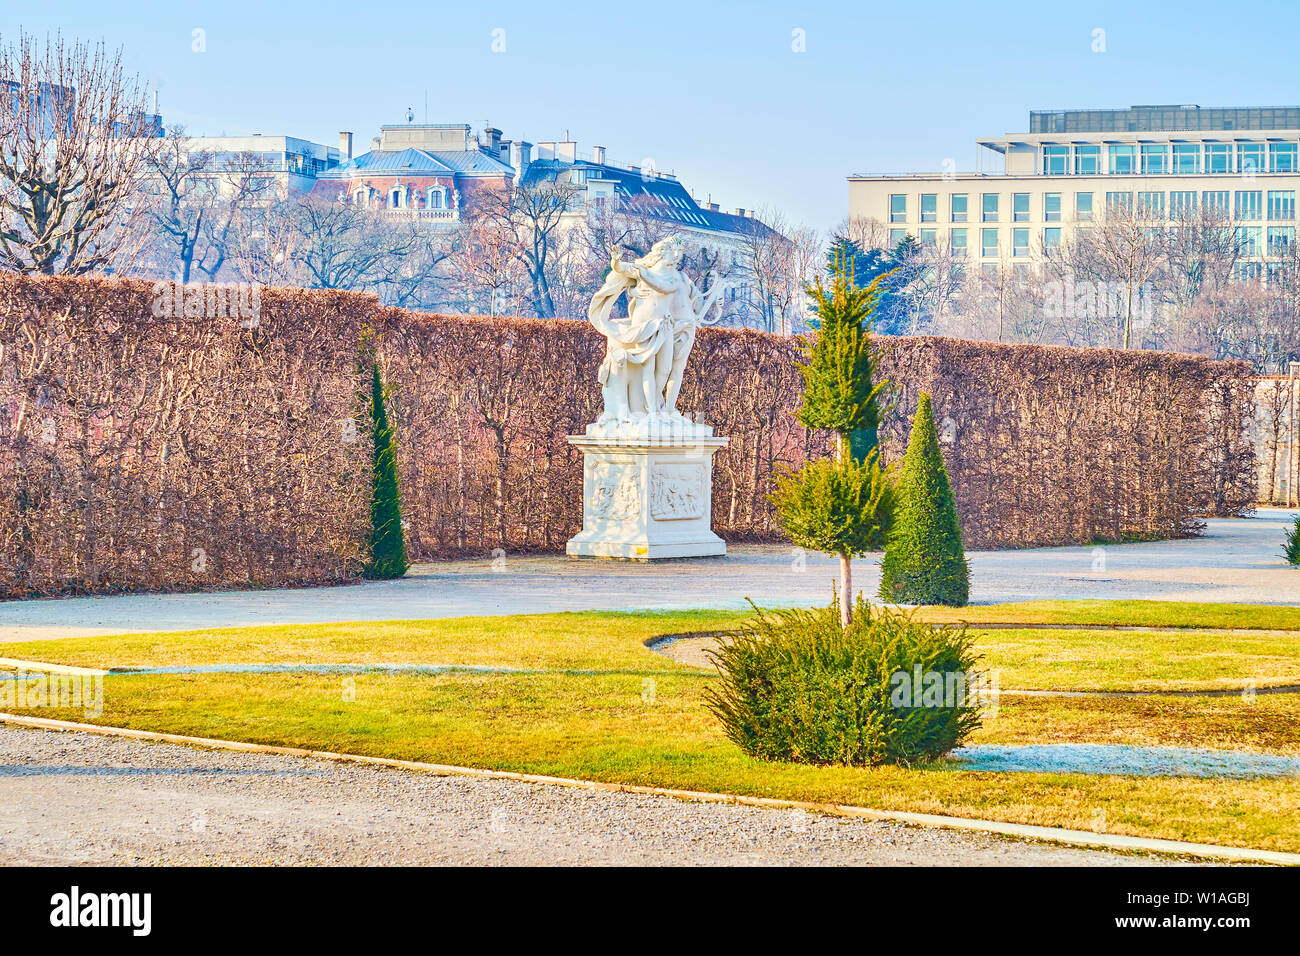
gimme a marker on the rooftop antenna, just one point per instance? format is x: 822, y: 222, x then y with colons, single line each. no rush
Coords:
x: 410, y: 115
x: 426, y: 107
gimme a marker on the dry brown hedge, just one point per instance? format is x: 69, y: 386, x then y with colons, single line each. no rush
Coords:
x: 154, y: 453
x: 147, y: 452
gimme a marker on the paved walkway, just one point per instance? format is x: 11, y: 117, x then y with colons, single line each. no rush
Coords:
x: 73, y: 798
x: 1238, y: 560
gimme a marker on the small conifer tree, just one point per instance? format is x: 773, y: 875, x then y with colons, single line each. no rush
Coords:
x: 924, y: 560
x: 840, y: 506
x: 1291, y: 547
x: 387, y: 543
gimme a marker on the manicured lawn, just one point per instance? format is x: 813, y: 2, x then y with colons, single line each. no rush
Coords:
x: 595, y: 703
x: 1128, y: 613
x: 1187, y: 659
x: 604, y: 640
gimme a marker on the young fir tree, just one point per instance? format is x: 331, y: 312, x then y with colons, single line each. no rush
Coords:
x: 387, y: 545
x: 1291, y: 546
x: 840, y: 506
x: 924, y: 559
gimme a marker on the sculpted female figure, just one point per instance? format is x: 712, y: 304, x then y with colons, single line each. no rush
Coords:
x: 646, y: 353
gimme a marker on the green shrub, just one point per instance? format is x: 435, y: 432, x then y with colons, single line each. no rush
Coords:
x: 924, y: 561
x: 797, y: 686
x: 387, y: 541
x: 843, y: 506
x: 1291, y: 549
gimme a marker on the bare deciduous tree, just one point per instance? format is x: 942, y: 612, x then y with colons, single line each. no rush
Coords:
x: 1127, y: 250
x: 483, y: 259
x: 196, y: 204
x: 533, y: 214
x: 1202, y: 251
x: 74, y: 144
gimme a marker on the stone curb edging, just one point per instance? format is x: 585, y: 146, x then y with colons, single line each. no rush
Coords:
x: 42, y: 667
x: 1111, y: 841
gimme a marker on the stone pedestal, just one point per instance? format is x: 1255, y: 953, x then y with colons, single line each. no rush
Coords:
x: 647, y: 497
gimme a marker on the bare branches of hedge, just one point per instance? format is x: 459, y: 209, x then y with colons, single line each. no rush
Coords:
x: 161, y: 453
x: 139, y: 452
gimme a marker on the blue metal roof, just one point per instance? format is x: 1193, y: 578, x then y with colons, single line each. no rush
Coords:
x: 408, y: 161
x: 655, y: 196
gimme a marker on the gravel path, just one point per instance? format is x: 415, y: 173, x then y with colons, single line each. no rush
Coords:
x: 1238, y: 560
x: 73, y: 798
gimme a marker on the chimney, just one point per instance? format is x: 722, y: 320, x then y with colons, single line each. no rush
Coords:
x: 545, y: 151
x: 567, y: 152
x: 520, y: 157
x: 345, y: 147
x: 492, y: 139
x: 374, y: 143
x: 713, y: 207
x: 740, y: 212
x: 598, y: 155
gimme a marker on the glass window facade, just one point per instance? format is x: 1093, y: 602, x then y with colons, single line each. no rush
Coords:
x: 1281, y: 204
x: 1280, y: 240
x: 1187, y: 158
x: 1155, y: 159
x: 959, y: 207
x: 958, y: 242
x: 1151, y: 205
x: 1123, y: 159
x: 1056, y: 160
x: 1119, y: 203
x: 1248, y: 240
x: 990, y: 207
x: 1052, y: 207
x: 1182, y: 204
x: 1248, y: 205
x: 1218, y: 157
x: 1051, y: 238
x: 896, y: 236
x: 1087, y: 160
x: 1020, y: 207
x: 1164, y: 118
x: 988, y: 242
x: 929, y: 207
x: 1083, y: 206
x: 929, y: 237
x: 1215, y: 202
x: 1250, y: 158
x: 898, y: 208
x: 1019, y: 243
x: 1282, y: 157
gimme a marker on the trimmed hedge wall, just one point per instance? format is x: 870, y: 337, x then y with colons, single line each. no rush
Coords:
x: 139, y: 452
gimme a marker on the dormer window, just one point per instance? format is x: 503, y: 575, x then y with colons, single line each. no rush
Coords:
x: 436, y: 198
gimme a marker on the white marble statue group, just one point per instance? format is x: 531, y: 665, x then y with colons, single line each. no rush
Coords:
x: 646, y: 352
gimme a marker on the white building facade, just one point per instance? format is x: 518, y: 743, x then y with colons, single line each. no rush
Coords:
x: 1166, y: 162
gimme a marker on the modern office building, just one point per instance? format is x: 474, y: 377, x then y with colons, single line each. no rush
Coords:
x: 292, y: 164
x: 1166, y: 162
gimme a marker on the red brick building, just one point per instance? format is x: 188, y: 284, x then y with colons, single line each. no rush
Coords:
x: 422, y: 171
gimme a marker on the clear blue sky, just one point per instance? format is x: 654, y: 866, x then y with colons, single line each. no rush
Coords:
x: 710, y: 89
